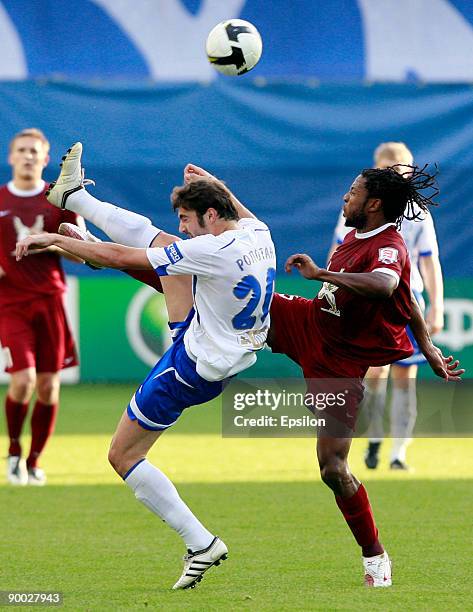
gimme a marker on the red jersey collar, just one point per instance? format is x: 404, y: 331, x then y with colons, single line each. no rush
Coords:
x: 25, y: 193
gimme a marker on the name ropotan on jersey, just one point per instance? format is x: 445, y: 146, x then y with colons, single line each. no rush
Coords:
x: 254, y: 256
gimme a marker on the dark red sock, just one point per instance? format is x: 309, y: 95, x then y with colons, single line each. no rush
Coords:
x: 15, y: 413
x: 359, y: 516
x: 43, y: 420
x: 148, y: 277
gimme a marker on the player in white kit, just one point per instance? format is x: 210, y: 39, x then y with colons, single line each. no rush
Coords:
x: 231, y: 257
x: 421, y: 241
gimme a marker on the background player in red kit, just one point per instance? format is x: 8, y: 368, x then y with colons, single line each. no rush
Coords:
x: 34, y: 334
x: 358, y: 319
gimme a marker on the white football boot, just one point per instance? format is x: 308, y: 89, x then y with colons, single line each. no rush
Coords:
x: 73, y: 231
x: 197, y: 563
x: 36, y: 477
x: 70, y: 179
x: 378, y: 570
x: 16, y: 471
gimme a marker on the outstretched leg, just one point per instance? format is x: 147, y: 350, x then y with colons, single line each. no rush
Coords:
x: 148, y: 277
x: 121, y: 225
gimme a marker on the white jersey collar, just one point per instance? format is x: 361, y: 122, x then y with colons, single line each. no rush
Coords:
x: 25, y: 193
x: 378, y: 230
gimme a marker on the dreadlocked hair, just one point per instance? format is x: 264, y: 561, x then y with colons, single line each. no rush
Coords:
x: 406, y: 191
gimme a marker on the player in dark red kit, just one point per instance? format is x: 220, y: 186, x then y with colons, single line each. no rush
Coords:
x: 358, y: 319
x: 34, y: 334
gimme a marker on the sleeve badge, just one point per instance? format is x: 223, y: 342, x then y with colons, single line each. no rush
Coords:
x: 388, y: 255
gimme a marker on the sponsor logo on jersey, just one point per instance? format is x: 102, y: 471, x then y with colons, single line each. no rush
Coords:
x: 254, y: 339
x: 23, y: 230
x: 388, y: 255
x: 327, y: 292
x: 173, y: 253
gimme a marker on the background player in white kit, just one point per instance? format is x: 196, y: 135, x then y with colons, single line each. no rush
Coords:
x: 421, y: 242
x: 231, y: 257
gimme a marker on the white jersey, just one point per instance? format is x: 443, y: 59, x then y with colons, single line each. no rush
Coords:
x: 420, y: 239
x: 233, y: 285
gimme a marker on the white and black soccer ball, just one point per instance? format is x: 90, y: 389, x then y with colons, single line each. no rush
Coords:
x: 234, y: 47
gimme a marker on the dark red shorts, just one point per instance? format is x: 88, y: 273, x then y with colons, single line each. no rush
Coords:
x: 37, y: 335
x: 294, y: 332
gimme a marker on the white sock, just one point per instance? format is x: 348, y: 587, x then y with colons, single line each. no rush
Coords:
x: 121, y: 225
x: 376, y: 401
x: 403, y: 419
x: 156, y: 492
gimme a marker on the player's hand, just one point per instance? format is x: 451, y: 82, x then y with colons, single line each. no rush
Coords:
x: 30, y: 243
x: 306, y: 266
x: 2, y: 272
x: 195, y: 173
x: 434, y: 320
x: 39, y: 251
x: 444, y: 367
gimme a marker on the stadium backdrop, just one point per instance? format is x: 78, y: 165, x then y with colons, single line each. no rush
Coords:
x: 288, y: 138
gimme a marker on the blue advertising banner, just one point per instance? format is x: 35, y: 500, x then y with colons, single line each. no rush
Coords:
x: 289, y: 151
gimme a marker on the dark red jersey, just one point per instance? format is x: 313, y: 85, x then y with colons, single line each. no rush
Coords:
x: 22, y: 213
x: 369, y: 331
x: 339, y: 333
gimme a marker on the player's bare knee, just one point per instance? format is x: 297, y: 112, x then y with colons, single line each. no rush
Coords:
x: 47, y: 388
x: 21, y: 392
x: 122, y: 459
x: 114, y: 457
x: 22, y: 385
x: 334, y: 473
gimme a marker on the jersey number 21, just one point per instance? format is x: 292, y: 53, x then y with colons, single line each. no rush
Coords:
x: 245, y: 319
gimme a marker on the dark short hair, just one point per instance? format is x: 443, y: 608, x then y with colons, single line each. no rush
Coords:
x: 202, y: 195
x: 403, y: 190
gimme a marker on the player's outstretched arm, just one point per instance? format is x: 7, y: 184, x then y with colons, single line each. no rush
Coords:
x: 195, y: 173
x: 58, y: 251
x: 444, y: 367
x: 367, y: 284
x: 106, y: 254
x: 69, y: 256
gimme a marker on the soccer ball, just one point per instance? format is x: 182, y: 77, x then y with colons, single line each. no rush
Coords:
x: 234, y: 47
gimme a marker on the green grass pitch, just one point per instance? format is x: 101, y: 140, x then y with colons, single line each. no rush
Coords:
x: 85, y: 535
